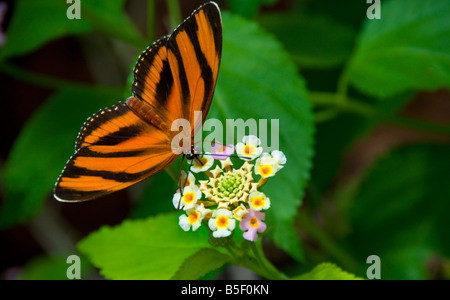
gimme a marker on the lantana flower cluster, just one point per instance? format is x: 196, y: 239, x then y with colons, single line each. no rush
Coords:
x: 230, y: 195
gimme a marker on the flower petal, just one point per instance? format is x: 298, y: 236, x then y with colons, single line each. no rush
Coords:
x: 251, y: 235
x: 184, y: 223
x: 221, y: 151
x: 201, y: 164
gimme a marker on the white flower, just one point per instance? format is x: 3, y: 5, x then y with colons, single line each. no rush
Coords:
x: 194, y: 217
x: 191, y: 220
x: 201, y: 164
x: 266, y: 166
x: 258, y: 201
x: 249, y: 148
x: 222, y: 223
x: 279, y: 157
x: 190, y: 196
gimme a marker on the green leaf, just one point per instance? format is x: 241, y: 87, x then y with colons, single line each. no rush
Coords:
x: 407, y: 49
x: 43, y: 147
x: 258, y: 80
x: 401, y: 211
x: 327, y: 271
x: 37, y: 22
x: 199, y: 264
x: 155, y: 248
x: 313, y: 41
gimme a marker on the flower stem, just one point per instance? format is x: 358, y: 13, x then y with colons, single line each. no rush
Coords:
x: 334, y: 104
x: 269, y: 269
x: 325, y: 242
x: 254, y: 261
x: 342, y: 86
x: 262, y: 182
x: 241, y: 258
x: 333, y: 101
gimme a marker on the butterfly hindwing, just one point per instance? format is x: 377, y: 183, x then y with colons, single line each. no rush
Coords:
x: 114, y: 149
x: 95, y: 171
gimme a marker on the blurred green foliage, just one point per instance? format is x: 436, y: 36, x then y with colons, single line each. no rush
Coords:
x: 329, y: 74
x: 407, y: 52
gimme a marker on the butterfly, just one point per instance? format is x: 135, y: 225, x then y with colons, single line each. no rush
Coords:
x: 131, y: 141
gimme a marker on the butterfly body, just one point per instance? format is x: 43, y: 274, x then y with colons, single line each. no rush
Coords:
x: 173, y: 79
x: 146, y: 113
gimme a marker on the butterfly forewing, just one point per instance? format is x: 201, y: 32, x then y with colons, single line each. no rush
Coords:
x: 153, y: 82
x: 194, y: 52
x: 124, y: 144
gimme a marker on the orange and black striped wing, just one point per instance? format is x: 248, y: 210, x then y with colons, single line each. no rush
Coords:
x: 177, y: 77
x: 194, y: 52
x: 153, y: 84
x: 114, y: 150
x: 122, y: 145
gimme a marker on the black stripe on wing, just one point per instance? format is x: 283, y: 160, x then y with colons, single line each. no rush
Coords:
x: 182, y: 72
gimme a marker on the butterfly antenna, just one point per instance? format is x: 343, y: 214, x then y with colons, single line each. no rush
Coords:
x: 225, y: 155
x: 215, y: 142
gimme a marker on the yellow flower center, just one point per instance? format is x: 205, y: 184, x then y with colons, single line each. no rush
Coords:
x: 221, y: 149
x: 188, y: 197
x: 249, y: 149
x: 254, y: 222
x: 258, y: 201
x: 193, y: 217
x: 266, y: 170
x: 222, y: 222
